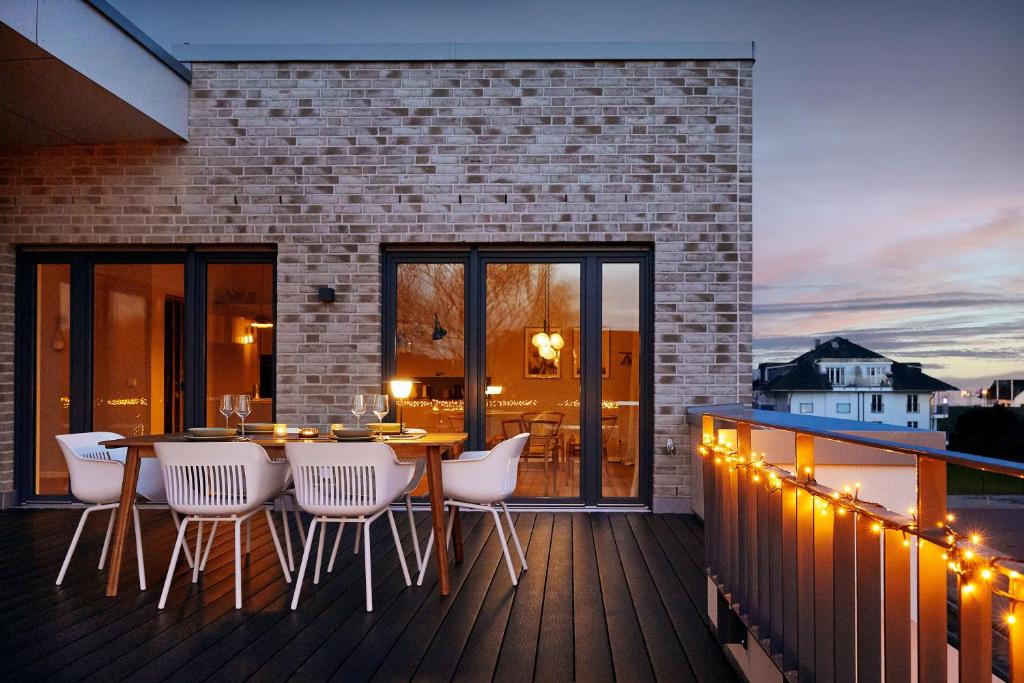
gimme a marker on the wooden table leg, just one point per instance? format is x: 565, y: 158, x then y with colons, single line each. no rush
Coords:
x: 437, y: 515
x: 124, y: 517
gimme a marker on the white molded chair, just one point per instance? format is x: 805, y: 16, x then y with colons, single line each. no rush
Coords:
x: 481, y: 483
x: 96, y: 475
x: 339, y: 483
x: 211, y: 482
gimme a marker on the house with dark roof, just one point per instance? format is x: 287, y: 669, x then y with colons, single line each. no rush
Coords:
x: 841, y: 379
x: 1005, y: 392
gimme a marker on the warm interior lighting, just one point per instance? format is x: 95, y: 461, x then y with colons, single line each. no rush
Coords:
x: 262, y: 322
x: 493, y: 390
x: 280, y: 430
x: 401, y: 388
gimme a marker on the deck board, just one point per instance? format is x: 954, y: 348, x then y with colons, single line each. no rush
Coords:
x: 607, y: 597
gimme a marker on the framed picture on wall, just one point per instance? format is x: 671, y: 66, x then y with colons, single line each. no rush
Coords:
x: 606, y: 352
x: 535, y: 366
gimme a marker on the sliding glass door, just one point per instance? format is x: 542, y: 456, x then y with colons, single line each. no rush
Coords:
x: 551, y: 343
x: 134, y: 343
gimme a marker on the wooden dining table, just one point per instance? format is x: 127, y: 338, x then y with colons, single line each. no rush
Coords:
x: 434, y: 447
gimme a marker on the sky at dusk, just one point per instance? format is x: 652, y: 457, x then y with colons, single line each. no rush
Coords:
x: 888, y: 148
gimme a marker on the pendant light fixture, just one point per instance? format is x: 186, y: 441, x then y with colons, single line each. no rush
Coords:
x: 548, y: 343
x: 439, y: 332
x: 262, y: 321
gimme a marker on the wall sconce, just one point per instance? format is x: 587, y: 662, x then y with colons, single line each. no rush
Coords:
x: 493, y: 390
x: 326, y: 295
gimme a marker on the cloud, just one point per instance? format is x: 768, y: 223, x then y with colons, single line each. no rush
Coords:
x: 948, y: 300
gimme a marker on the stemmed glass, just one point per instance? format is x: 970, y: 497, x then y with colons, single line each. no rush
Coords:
x: 227, y: 407
x: 359, y: 409
x: 380, y: 409
x: 242, y: 409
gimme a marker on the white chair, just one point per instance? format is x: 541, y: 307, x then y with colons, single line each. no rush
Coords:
x: 96, y: 478
x: 211, y: 482
x: 481, y: 483
x: 339, y: 483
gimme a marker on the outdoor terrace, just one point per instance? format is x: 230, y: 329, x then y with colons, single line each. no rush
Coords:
x: 607, y: 596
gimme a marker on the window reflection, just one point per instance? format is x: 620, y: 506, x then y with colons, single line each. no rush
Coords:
x: 533, y: 320
x: 240, y: 338
x: 620, y: 379
x: 429, y: 344
x: 53, y: 375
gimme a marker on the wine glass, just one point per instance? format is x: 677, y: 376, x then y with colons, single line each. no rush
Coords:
x: 227, y: 407
x: 242, y: 409
x: 359, y: 409
x: 380, y: 409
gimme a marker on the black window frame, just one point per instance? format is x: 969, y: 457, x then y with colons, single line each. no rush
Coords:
x: 82, y: 259
x: 475, y: 259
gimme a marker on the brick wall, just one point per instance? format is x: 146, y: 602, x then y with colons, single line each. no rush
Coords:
x: 330, y: 161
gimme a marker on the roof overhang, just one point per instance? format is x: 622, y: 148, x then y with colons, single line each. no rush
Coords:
x: 77, y: 71
x: 456, y: 52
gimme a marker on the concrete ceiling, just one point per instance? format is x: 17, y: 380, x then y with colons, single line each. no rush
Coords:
x: 43, y: 101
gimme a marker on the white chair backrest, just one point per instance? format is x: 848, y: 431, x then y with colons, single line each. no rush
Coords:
x: 498, y: 470
x: 90, y: 465
x: 218, y: 478
x: 346, y: 479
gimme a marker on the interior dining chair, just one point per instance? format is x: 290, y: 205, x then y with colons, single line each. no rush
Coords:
x: 484, y: 483
x: 96, y: 477
x: 220, y: 482
x: 342, y: 483
x: 541, y: 444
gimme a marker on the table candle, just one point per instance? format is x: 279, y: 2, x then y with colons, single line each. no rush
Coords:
x: 280, y: 430
x: 309, y: 432
x: 337, y: 427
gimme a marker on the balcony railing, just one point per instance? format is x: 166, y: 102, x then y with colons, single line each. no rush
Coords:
x: 828, y: 586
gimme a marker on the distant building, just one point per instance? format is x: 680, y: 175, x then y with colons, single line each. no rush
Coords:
x: 844, y: 380
x: 1005, y: 392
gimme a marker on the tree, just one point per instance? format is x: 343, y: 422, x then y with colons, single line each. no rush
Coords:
x: 996, y: 432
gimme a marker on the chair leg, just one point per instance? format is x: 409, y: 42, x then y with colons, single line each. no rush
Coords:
x: 177, y: 525
x: 367, y: 568
x: 209, y: 544
x: 426, y: 557
x: 106, y: 539
x: 307, y: 546
x: 287, y: 533
x: 199, y: 552
x: 398, y: 547
x: 448, y: 529
x: 504, y: 547
x: 277, y: 546
x: 138, y: 549
x: 298, y: 520
x: 238, y: 564
x: 71, y: 548
x: 515, y: 537
x: 174, y: 560
x: 320, y: 552
x: 412, y: 532
x: 334, y: 551
x: 359, y: 533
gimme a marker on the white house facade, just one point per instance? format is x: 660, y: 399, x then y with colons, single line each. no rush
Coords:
x: 844, y: 380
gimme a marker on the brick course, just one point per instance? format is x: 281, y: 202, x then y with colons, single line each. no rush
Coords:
x: 331, y: 161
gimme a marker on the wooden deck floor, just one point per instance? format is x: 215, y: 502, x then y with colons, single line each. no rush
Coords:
x: 607, y: 596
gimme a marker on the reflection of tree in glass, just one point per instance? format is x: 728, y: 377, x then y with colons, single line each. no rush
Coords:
x: 515, y: 296
x: 425, y: 289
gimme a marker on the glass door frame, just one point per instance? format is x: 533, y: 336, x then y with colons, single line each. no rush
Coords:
x: 475, y: 260
x: 82, y: 262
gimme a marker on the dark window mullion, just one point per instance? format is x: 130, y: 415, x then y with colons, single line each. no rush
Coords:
x: 590, y: 375
x: 195, y: 340
x: 81, y: 356
x: 474, y: 350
